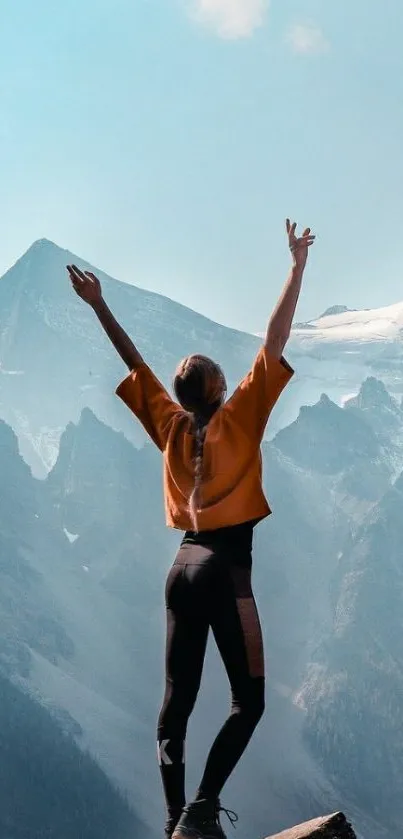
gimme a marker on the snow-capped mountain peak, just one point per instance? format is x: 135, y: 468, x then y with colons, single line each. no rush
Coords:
x: 349, y: 325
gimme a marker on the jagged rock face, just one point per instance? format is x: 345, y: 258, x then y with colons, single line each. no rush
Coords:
x: 18, y: 493
x: 336, y: 310
x: 29, y: 618
x: 50, y: 783
x: 373, y: 395
x: 375, y: 405
x: 341, y: 445
x: 354, y: 686
x: 106, y: 497
x: 307, y: 440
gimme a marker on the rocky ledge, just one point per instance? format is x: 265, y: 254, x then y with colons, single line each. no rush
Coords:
x: 335, y: 826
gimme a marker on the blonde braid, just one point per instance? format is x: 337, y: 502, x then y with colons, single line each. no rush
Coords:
x: 195, y: 498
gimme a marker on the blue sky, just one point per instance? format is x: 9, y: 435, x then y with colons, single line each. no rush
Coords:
x: 167, y: 140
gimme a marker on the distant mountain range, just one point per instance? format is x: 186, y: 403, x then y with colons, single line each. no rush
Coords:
x: 338, y: 351
x: 83, y: 558
x: 55, y: 359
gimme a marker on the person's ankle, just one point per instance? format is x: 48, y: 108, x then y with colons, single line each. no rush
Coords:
x: 202, y: 796
x: 174, y: 813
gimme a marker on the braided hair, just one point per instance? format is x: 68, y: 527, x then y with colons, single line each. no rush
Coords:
x: 200, y: 387
x: 195, y: 498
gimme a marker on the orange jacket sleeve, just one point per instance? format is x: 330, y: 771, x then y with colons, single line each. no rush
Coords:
x: 144, y: 394
x: 256, y: 395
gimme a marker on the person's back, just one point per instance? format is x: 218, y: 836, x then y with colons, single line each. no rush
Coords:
x: 230, y: 489
x: 213, y: 491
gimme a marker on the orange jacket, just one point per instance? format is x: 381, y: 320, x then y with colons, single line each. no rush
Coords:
x: 231, y: 490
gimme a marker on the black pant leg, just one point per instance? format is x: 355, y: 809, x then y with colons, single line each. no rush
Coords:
x: 236, y: 627
x: 187, y: 632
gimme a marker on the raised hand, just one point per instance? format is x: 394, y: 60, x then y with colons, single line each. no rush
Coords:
x: 299, y: 245
x: 85, y: 284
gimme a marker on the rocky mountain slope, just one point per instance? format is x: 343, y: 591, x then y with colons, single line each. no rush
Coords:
x: 48, y: 780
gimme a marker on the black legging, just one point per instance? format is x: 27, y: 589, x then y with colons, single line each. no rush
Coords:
x: 209, y: 585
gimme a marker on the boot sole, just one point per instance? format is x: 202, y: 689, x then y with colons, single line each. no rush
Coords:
x: 186, y: 833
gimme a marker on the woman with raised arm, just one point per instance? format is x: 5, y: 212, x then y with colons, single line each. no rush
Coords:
x: 213, y: 491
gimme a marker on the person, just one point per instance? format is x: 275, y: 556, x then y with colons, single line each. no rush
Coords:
x: 213, y: 492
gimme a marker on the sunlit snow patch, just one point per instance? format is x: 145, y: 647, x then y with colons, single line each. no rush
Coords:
x: 71, y: 536
x: 383, y: 324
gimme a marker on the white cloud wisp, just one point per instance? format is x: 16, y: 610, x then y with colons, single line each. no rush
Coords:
x: 307, y: 39
x: 230, y: 19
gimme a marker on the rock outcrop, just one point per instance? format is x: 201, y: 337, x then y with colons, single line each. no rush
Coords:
x: 335, y: 826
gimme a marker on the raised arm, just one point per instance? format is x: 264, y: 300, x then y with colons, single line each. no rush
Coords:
x: 88, y: 287
x: 279, y: 326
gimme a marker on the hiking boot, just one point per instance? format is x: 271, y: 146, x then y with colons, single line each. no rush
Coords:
x: 170, y: 825
x: 201, y: 820
x: 169, y: 828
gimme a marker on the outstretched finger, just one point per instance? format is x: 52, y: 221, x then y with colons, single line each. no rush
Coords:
x: 306, y: 231
x: 78, y: 272
x: 287, y: 225
x: 92, y: 277
x: 74, y: 274
x: 300, y: 244
x: 75, y: 279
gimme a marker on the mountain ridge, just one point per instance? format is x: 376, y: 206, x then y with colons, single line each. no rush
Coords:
x: 44, y: 246
x: 379, y: 324
x: 70, y: 362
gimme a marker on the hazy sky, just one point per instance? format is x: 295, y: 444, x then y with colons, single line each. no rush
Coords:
x: 166, y: 140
